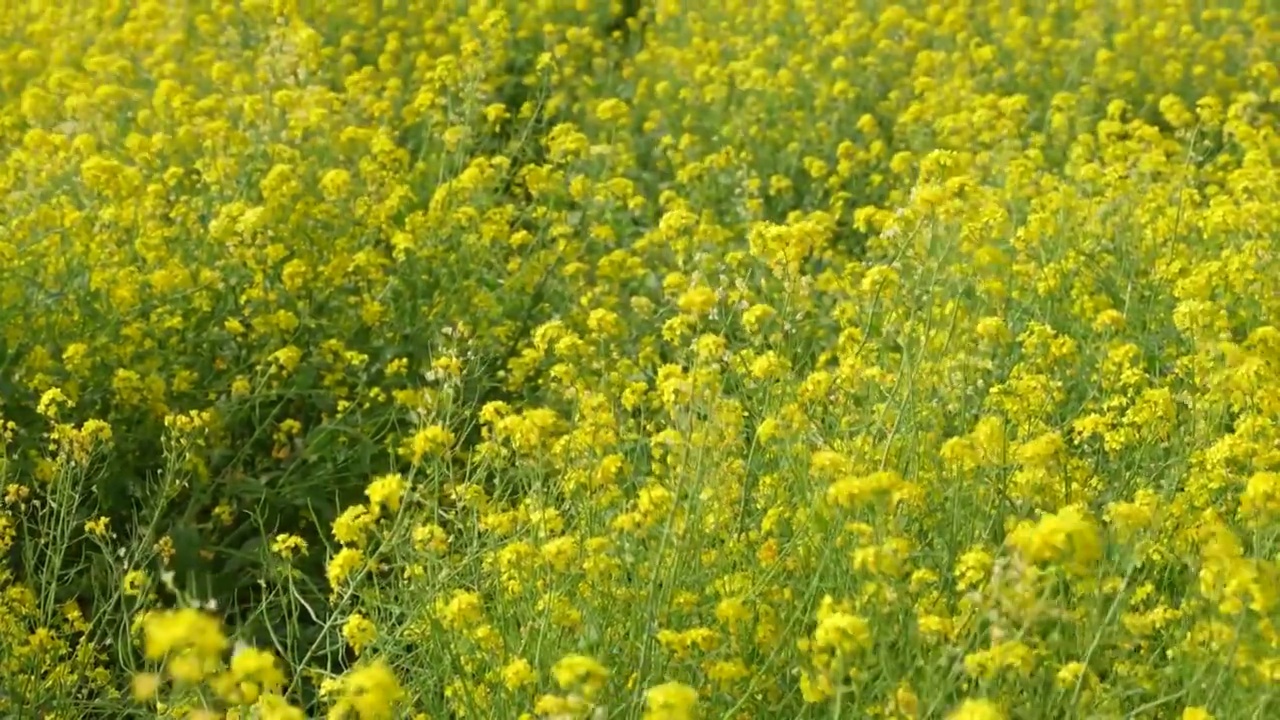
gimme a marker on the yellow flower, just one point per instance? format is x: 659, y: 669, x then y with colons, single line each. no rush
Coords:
x: 495, y: 113
x: 432, y: 440
x: 977, y: 709
x: 95, y: 431
x: 1011, y: 655
x: 335, y: 184
x: 274, y: 707
x: 854, y: 491
x: 611, y: 110
x: 252, y: 672
x: 1069, y: 674
x: 75, y: 356
x: 431, y: 537
x: 288, y: 546
x: 697, y: 300
x: 556, y: 706
x: 17, y: 494
x: 287, y: 358
x: 1068, y: 536
x: 135, y: 581
x: 98, y: 527
x: 353, y: 525
x: 581, y: 673
x: 463, y: 609
x: 518, y: 673
x: 371, y: 692
x: 145, y: 686
x: 385, y: 491
x: 1261, y: 497
x: 842, y: 633
x: 359, y: 632
x: 51, y: 402
x: 906, y: 702
x: 341, y: 565
x: 670, y: 701
x: 191, y: 642
x: 1128, y: 518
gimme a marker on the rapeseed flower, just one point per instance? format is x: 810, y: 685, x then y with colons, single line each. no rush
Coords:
x: 502, y: 339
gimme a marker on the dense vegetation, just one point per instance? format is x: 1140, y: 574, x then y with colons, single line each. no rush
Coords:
x: 556, y: 359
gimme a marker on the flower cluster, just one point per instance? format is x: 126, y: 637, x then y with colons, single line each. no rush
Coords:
x: 571, y: 359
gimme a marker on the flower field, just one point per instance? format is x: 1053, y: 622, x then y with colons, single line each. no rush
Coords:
x: 372, y: 359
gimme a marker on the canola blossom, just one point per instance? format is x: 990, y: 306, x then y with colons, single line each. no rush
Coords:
x: 662, y: 359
